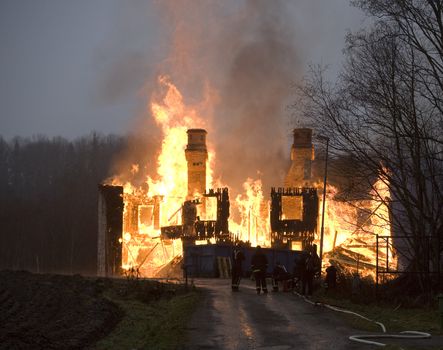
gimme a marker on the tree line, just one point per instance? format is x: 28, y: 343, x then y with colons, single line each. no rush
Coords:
x: 48, y: 201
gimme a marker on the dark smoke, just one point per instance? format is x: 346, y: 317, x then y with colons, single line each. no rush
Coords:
x: 125, y: 75
x: 235, y: 62
x: 245, y: 52
x: 249, y: 118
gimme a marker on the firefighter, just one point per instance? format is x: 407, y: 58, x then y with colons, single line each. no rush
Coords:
x: 259, y: 264
x: 312, y: 267
x: 299, y: 271
x: 237, y: 271
x: 280, y: 274
x: 331, y: 277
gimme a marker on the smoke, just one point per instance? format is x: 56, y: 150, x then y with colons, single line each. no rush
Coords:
x: 125, y: 75
x: 249, y: 117
x: 237, y: 59
x: 234, y: 62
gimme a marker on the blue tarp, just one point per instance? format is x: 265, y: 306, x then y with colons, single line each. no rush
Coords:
x: 201, y: 260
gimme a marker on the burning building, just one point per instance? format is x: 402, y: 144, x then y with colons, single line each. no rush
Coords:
x: 294, y: 208
x: 134, y: 225
x: 144, y: 229
x: 351, y: 227
x: 196, y: 158
x: 302, y: 155
x: 110, y: 230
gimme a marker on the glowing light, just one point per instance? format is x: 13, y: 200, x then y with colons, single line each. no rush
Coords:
x: 356, y: 241
x: 160, y: 205
x: 254, y: 226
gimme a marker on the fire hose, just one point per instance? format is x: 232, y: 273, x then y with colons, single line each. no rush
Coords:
x: 361, y: 338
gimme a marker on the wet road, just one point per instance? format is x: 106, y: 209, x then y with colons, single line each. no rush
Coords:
x: 277, y: 321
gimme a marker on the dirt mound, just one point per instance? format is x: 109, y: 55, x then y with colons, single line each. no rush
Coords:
x: 53, y: 311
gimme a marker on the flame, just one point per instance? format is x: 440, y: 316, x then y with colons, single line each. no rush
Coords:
x: 142, y: 247
x: 174, y: 119
x: 355, y: 242
x: 340, y: 219
x: 254, y: 226
x: 145, y: 250
x: 166, y: 189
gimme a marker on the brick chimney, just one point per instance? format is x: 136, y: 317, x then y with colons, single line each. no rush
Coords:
x: 196, y: 156
x: 302, y: 155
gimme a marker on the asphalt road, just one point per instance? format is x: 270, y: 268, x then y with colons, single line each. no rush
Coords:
x: 277, y: 321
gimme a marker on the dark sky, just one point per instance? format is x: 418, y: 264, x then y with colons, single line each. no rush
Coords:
x: 70, y: 67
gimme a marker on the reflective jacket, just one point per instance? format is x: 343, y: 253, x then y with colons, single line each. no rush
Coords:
x: 237, y: 258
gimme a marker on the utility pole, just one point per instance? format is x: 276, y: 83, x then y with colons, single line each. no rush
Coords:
x: 249, y: 225
x: 322, y: 231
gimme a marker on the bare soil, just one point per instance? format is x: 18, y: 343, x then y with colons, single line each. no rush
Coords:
x: 53, y: 311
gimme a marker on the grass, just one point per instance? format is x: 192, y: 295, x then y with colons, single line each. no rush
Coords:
x: 396, y: 318
x: 158, y: 324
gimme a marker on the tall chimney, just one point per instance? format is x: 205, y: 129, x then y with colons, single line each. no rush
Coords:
x: 302, y: 155
x: 196, y: 156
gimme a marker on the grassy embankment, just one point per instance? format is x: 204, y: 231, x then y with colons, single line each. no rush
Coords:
x: 396, y: 317
x: 154, y: 315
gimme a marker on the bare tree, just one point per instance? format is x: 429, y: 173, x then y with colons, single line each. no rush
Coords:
x: 385, y: 112
x: 419, y: 25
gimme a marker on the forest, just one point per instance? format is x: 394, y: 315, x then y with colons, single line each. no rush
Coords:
x: 48, y: 201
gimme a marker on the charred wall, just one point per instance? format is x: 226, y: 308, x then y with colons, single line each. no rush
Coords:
x: 300, y: 229
x: 110, y: 226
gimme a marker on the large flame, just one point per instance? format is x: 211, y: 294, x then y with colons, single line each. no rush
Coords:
x: 146, y: 253
x: 352, y: 238
x: 174, y: 118
x: 143, y: 249
x: 254, y: 226
x: 167, y: 187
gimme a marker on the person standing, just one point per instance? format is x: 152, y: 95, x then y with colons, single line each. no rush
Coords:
x: 237, y: 271
x: 259, y: 264
x: 280, y: 274
x: 312, y: 267
x: 299, y: 271
x: 331, y: 277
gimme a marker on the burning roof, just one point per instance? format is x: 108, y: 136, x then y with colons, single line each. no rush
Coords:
x: 175, y: 201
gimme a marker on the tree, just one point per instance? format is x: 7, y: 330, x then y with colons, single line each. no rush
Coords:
x: 385, y: 111
x: 48, y: 201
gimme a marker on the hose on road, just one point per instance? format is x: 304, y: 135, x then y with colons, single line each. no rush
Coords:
x: 361, y: 338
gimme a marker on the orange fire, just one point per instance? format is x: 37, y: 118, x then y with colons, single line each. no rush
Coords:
x: 354, y: 237
x: 254, y: 226
x: 144, y: 251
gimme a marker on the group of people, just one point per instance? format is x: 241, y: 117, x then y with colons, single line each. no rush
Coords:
x: 259, y: 265
x: 306, y: 266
